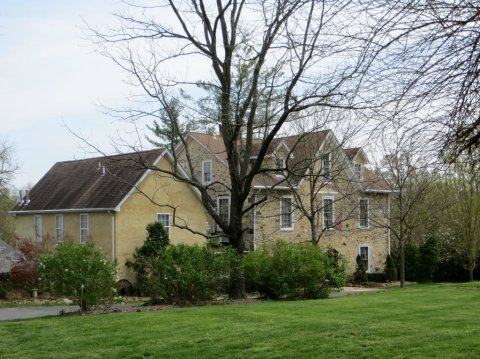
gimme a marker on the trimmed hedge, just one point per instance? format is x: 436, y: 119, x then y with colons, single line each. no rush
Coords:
x: 286, y: 270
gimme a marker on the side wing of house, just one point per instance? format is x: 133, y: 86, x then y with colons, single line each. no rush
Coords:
x: 159, y: 197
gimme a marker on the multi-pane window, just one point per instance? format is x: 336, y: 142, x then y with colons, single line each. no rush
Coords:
x: 279, y: 166
x: 223, y: 208
x: 207, y: 172
x: 363, y: 209
x: 164, y: 220
x: 83, y: 228
x: 286, y: 213
x: 365, y: 257
x: 328, y: 220
x: 59, y: 228
x: 37, y: 227
x: 358, y: 170
x: 327, y: 166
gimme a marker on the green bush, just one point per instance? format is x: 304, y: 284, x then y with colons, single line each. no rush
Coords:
x: 188, y: 274
x: 145, y: 259
x: 377, y: 277
x: 360, y: 274
x: 427, y: 264
x: 293, y: 271
x: 81, y: 272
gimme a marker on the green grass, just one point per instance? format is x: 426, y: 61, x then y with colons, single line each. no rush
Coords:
x: 431, y: 321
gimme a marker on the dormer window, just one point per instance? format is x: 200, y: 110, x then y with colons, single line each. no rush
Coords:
x: 327, y: 166
x: 207, y: 172
x: 279, y: 166
x: 358, y: 170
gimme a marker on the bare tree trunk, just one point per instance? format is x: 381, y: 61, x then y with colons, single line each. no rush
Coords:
x: 402, y: 257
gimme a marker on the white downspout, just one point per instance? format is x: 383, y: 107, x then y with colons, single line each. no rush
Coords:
x: 254, y: 222
x: 389, y: 223
x: 113, y: 236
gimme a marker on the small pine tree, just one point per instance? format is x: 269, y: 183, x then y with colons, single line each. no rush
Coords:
x: 427, y: 263
x: 390, y: 269
x: 360, y: 275
x: 157, y: 240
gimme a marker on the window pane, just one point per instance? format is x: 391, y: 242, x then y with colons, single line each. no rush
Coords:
x: 83, y: 228
x: 37, y: 225
x: 207, y: 171
x: 326, y: 166
x: 363, y: 213
x: 286, y: 220
x: 223, y: 209
x: 164, y: 220
x: 59, y: 227
x: 328, y: 213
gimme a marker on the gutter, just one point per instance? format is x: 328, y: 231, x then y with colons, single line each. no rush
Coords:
x: 71, y: 210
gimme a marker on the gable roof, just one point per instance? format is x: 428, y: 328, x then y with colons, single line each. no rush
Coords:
x: 99, y: 183
x: 302, y: 146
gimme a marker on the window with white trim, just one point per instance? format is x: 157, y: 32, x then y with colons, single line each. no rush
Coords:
x: 59, y: 228
x: 223, y: 208
x: 37, y: 228
x: 358, y: 170
x: 286, y: 213
x: 207, y: 172
x: 363, y: 212
x: 83, y: 228
x: 327, y: 166
x: 364, y: 252
x: 328, y: 214
x: 279, y: 166
x: 164, y: 220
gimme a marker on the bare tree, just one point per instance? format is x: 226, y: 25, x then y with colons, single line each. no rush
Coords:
x: 410, y: 176
x: 258, y: 65
x: 7, y: 166
x: 431, y: 62
x: 462, y: 189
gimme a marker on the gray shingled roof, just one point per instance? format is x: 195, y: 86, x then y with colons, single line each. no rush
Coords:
x: 93, y: 183
x: 8, y: 257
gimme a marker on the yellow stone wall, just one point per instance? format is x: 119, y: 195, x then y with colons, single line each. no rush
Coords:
x: 99, y: 224
x: 346, y: 241
x: 157, y: 194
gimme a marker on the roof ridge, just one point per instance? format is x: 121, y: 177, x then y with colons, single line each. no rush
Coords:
x: 112, y: 156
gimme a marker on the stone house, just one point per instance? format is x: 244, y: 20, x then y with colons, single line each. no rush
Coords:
x: 308, y: 181
x: 108, y: 201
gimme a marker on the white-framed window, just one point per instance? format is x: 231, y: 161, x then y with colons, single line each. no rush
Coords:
x: 83, y: 228
x: 328, y: 213
x: 327, y: 166
x: 364, y: 251
x: 286, y: 213
x: 363, y: 212
x: 59, y: 228
x: 37, y: 228
x: 358, y: 170
x: 164, y: 220
x: 223, y: 208
x: 207, y: 171
x: 279, y: 166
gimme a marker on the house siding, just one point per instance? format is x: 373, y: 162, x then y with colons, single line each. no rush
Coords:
x: 157, y: 194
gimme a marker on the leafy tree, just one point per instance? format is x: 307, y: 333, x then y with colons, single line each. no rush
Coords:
x: 428, y: 259
x: 79, y: 271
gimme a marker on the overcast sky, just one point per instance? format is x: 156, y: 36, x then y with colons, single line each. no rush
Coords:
x: 50, y: 79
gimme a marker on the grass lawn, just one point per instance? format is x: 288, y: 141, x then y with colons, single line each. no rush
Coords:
x: 422, y: 321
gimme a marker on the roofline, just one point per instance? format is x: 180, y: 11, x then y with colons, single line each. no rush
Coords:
x: 69, y: 210
x: 140, y: 180
x: 379, y: 190
x: 274, y: 187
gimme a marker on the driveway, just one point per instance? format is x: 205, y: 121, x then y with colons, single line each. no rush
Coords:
x: 34, y: 311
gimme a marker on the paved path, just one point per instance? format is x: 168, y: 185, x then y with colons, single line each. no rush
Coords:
x: 34, y: 311
x: 47, y: 311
